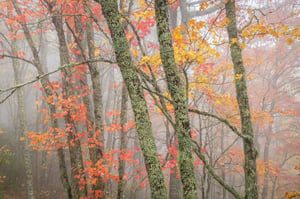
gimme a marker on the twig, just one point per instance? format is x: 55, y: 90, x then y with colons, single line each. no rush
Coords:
x: 49, y: 73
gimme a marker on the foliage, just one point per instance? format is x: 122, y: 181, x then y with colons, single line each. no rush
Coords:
x: 269, y: 41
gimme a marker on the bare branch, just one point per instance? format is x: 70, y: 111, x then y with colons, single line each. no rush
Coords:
x: 13, y: 88
x: 225, y: 121
x: 212, y: 172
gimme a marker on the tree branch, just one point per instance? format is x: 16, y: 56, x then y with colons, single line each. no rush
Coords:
x: 225, y: 121
x: 13, y: 88
x: 212, y: 172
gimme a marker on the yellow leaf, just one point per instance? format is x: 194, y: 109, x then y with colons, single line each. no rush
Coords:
x: 135, y: 52
x: 218, y: 102
x: 250, y: 77
x: 192, y: 22
x: 290, y: 195
x: 200, y: 24
x: 203, y: 6
x: 289, y: 41
x: 242, y: 45
x: 97, y: 52
x: 238, y: 76
x: 199, y: 59
x: 182, y: 28
x: 142, y: 3
x: 234, y: 40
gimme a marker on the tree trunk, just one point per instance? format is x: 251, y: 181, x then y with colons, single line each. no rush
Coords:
x: 73, y: 141
x: 48, y: 92
x: 136, y: 94
x: 175, y: 187
x: 223, y: 174
x: 182, y: 126
x: 96, y: 152
x: 185, y: 15
x: 250, y: 152
x: 23, y: 123
x: 265, y: 189
x: 123, y: 144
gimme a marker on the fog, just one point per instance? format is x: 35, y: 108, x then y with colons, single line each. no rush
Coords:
x: 30, y: 142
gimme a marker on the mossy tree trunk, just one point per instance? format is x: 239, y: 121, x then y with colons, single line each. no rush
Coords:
x: 250, y: 152
x: 136, y: 94
x: 175, y: 87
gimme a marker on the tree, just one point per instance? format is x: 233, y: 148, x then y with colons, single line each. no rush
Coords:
x: 175, y: 87
x: 243, y: 102
x: 23, y: 124
x: 189, y: 115
x: 135, y: 91
x: 48, y: 92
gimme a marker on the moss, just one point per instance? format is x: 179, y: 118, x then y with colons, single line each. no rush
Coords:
x: 136, y: 94
x: 250, y: 153
x: 175, y: 87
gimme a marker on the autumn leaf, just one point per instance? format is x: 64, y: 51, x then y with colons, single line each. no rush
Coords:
x: 290, y: 195
x: 233, y: 40
x: 238, y: 76
x: 289, y: 41
x: 97, y: 52
x: 297, y: 167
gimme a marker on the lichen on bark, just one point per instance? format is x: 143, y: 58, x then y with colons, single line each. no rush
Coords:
x: 250, y: 153
x: 175, y: 87
x: 136, y: 94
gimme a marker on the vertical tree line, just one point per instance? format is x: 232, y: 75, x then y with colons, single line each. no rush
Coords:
x: 154, y: 96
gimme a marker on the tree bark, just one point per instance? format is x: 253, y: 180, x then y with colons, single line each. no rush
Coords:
x: 48, y: 92
x: 23, y: 123
x: 96, y: 152
x: 136, y: 94
x: 175, y: 187
x: 250, y: 152
x: 73, y: 141
x: 123, y: 144
x: 265, y: 189
x: 182, y: 126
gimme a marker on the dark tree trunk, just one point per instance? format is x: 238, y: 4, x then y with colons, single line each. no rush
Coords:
x: 250, y: 152
x: 96, y: 152
x: 73, y: 141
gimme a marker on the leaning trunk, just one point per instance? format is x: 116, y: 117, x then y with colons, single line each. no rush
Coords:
x: 48, y: 92
x: 182, y: 126
x: 136, y: 94
x: 250, y: 153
